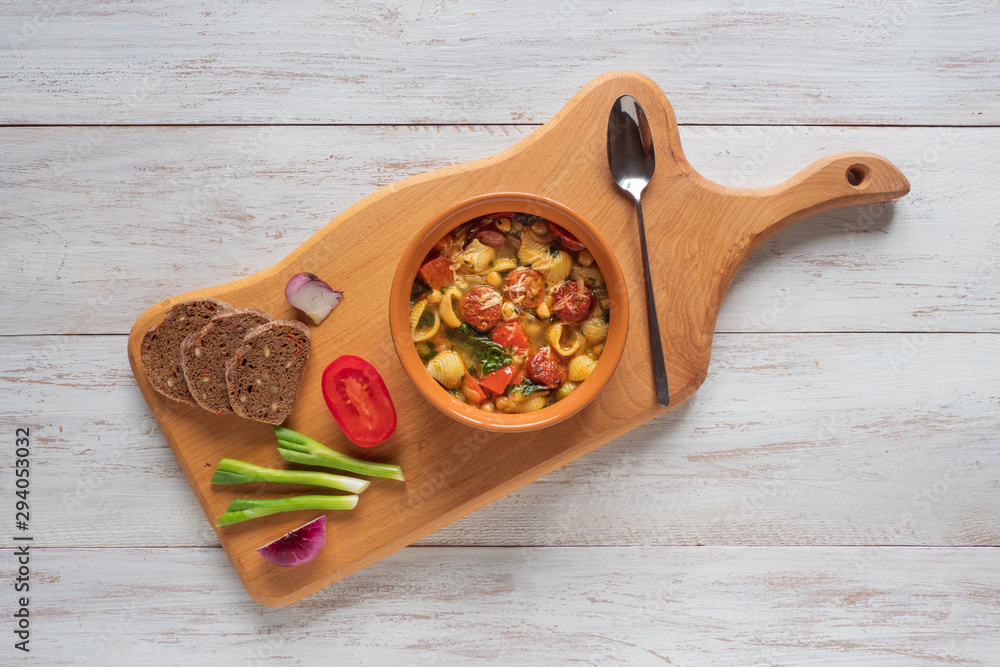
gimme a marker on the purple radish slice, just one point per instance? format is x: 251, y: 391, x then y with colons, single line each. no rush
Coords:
x: 297, y: 547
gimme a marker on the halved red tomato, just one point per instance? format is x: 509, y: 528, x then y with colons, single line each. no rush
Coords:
x: 436, y: 271
x: 511, y: 335
x: 566, y: 239
x: 359, y: 400
x: 497, y: 381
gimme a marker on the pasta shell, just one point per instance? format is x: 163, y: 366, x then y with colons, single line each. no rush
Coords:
x: 530, y: 404
x: 565, y: 389
x: 532, y: 248
x: 415, y: 314
x: 447, y: 307
x: 555, y: 267
x: 580, y: 367
x: 595, y: 330
x: 515, y: 396
x: 504, y: 264
x: 477, y: 257
x: 447, y: 368
x: 470, y: 396
x: 565, y: 340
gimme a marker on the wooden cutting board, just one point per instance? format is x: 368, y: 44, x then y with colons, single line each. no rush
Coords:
x: 700, y: 233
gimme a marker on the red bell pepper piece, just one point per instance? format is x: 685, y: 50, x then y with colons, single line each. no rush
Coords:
x: 437, y: 272
x: 497, y: 381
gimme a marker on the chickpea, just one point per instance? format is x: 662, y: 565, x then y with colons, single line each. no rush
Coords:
x: 543, y: 311
x: 503, y: 224
x: 585, y: 258
x: 434, y: 297
x: 605, y: 303
x: 493, y: 279
x: 517, y: 226
x: 503, y: 403
x: 539, y: 227
x: 487, y: 406
x: 518, y: 360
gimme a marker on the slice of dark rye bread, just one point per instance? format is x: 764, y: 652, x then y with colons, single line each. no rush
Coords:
x: 204, y: 355
x: 160, y: 348
x: 264, y: 373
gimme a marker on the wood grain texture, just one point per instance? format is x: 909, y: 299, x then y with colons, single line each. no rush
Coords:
x: 98, y: 217
x: 137, y: 214
x: 793, y: 439
x: 604, y: 606
x: 703, y: 230
x: 159, y: 61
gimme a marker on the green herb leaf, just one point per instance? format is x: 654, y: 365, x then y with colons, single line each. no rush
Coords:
x: 426, y: 352
x: 419, y: 289
x: 489, y: 355
x: 527, y: 387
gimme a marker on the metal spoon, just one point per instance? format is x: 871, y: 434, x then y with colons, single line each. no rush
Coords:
x: 632, y: 162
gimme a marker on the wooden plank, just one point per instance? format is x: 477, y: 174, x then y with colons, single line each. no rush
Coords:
x: 478, y: 62
x: 793, y: 439
x: 609, y: 606
x: 99, y: 217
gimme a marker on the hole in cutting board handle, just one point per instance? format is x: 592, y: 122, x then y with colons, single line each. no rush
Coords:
x: 856, y: 174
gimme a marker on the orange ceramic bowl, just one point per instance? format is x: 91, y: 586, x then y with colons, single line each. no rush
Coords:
x: 399, y: 311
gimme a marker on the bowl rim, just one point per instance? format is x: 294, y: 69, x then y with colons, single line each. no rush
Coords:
x: 455, y: 216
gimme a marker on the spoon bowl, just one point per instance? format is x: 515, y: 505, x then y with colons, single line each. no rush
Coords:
x: 632, y: 161
x: 631, y: 156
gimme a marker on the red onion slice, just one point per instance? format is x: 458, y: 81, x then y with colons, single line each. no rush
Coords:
x: 297, y: 547
x: 312, y: 296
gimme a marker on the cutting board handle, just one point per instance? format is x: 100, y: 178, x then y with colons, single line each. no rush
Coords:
x: 839, y: 180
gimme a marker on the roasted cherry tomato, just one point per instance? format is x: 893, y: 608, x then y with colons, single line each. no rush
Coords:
x: 470, y: 383
x: 525, y: 287
x: 481, y: 307
x: 497, y: 381
x: 436, y: 271
x: 571, y: 301
x: 511, y: 334
x: 564, y: 238
x: 359, y: 400
x: 546, y: 368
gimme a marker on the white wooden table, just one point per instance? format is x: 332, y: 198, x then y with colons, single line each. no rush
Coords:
x: 831, y: 494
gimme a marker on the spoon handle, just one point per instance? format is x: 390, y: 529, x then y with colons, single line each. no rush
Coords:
x: 655, y: 344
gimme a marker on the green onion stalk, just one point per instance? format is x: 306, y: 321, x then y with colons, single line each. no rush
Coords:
x: 298, y: 448
x: 231, y: 471
x: 244, y: 509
